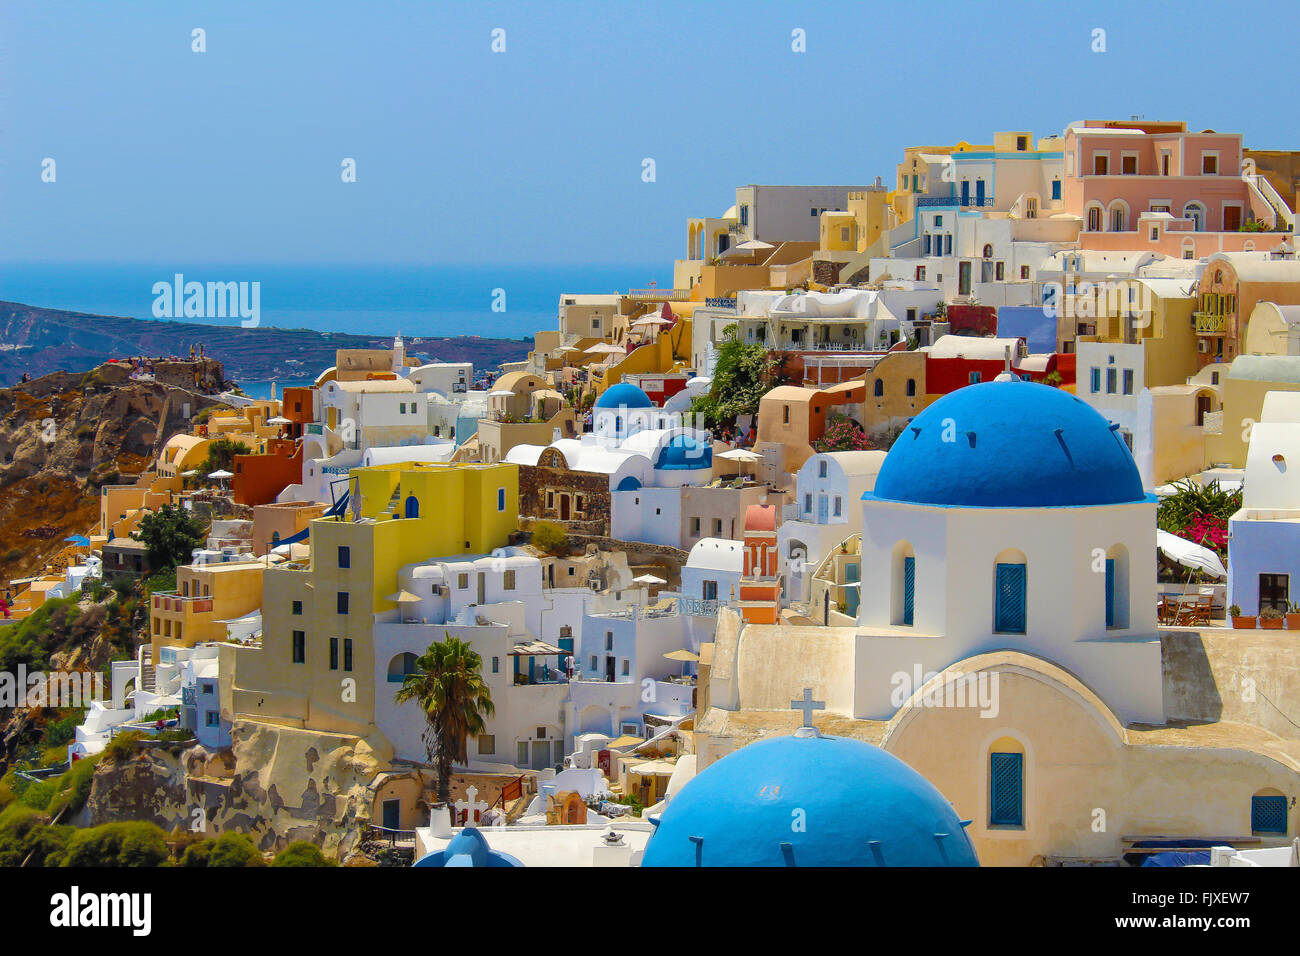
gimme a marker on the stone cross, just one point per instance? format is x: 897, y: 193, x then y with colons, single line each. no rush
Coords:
x: 471, y: 804
x: 807, y: 705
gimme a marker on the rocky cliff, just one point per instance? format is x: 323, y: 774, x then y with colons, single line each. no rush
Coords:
x: 64, y: 435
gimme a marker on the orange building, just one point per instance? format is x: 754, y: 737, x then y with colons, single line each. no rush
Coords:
x: 760, y: 582
x: 260, y: 478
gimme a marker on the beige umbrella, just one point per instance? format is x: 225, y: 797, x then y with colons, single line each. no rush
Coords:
x: 403, y: 597
x: 605, y: 348
x: 741, y: 455
x: 682, y: 655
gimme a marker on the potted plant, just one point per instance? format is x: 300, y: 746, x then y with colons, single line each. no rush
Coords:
x: 1237, y: 620
x: 1271, y: 619
x: 1293, y: 616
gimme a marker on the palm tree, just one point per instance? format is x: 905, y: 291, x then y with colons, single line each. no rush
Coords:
x: 448, y: 686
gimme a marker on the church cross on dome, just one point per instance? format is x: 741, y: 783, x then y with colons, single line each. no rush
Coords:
x: 807, y: 705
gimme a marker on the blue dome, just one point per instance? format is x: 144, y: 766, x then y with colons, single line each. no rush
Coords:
x: 1009, y: 445
x: 467, y: 848
x: 809, y: 801
x: 685, y: 453
x: 624, y: 395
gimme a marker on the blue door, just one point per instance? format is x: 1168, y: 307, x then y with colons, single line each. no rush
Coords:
x: 979, y: 192
x: 909, y: 590
x: 1009, y: 599
x: 965, y: 192
x: 1006, y: 790
x: 823, y: 509
x: 412, y: 506
x: 852, y: 575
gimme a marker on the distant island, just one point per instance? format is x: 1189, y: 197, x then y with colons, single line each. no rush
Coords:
x: 38, y: 341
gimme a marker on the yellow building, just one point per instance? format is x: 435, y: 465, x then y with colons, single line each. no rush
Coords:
x: 206, y: 597
x: 315, y: 666
x: 1248, y: 380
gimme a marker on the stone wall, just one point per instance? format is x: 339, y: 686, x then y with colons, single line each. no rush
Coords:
x: 535, y: 482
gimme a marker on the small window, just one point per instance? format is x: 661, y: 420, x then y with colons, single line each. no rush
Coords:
x: 626, y: 667
x: 879, y: 388
x: 347, y: 653
x: 297, y: 607
x: 334, y: 653
x: 212, y: 718
x: 1128, y: 165
x: 1128, y: 381
x: 345, y: 557
x: 821, y: 468
x: 299, y: 647
x: 1112, y: 377
x: 593, y: 662
x: 496, y: 665
x: 1210, y: 164
x: 1056, y: 189
x: 785, y: 415
x: 609, y: 640
x: 1101, y: 164
x: 1268, y: 814
x: 509, y: 583
x: 462, y: 582
x: 1024, y: 272
x: 342, y: 602
x: 501, y: 499
x: 975, y: 378
x: 838, y: 506
x: 487, y: 745
x: 1095, y: 380
x: 911, y: 387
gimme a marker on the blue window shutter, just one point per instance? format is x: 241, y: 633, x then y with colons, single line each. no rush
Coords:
x: 1006, y: 790
x: 1110, y: 592
x: 1268, y: 815
x: 1009, y: 610
x: 909, y: 589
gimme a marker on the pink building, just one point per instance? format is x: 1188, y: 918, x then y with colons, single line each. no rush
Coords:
x: 1115, y: 172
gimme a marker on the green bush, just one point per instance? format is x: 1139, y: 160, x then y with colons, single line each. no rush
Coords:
x: 197, y: 854
x: 37, y: 795
x: 550, y: 538
x: 235, y: 849
x: 301, y: 853
x: 73, y: 787
x: 122, y: 747
x: 135, y: 844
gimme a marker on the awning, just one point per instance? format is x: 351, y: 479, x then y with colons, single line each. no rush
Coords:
x: 1189, y: 554
x: 536, y: 649
x: 654, y: 768
x: 403, y: 597
x: 682, y: 655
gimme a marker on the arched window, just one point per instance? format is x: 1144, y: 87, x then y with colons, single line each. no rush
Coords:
x: 988, y: 251
x: 400, y: 666
x: 1268, y: 813
x: 412, y: 506
x: 1117, y: 587
x: 1195, y: 211
x: 1007, y: 783
x: 1249, y: 246
x: 911, y: 387
x: 1189, y: 248
x: 1031, y: 207
x: 1094, y: 218
x: 880, y: 387
x: 1119, y: 216
x: 1010, y: 593
x: 903, y: 592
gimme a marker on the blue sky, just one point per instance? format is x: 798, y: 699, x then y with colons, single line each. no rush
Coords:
x: 534, y: 155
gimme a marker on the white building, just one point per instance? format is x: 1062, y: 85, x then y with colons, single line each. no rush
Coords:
x: 827, y: 509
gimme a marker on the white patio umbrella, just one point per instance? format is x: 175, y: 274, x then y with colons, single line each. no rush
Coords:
x: 649, y: 322
x: 220, y: 474
x: 604, y: 348
x: 742, y: 455
x: 755, y: 245
x: 278, y: 420
x: 1190, y: 554
x: 698, y: 381
x: 648, y: 579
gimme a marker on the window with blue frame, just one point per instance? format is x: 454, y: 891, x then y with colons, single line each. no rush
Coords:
x: 880, y: 387
x: 501, y: 499
x: 1009, y: 599
x: 1006, y: 790
x: 975, y: 378
x: 1056, y: 189
x: 1095, y: 381
x: 342, y: 605
x: 345, y: 557
x: 909, y: 590
x: 1268, y: 814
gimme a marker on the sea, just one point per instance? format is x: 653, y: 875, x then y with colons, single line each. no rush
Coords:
x: 493, y: 301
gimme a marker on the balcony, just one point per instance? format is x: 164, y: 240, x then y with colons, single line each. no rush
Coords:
x: 1210, y: 324
x: 696, y: 607
x: 171, y: 601
x: 970, y: 202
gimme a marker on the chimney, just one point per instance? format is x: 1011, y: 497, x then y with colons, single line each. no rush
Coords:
x: 612, y: 850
